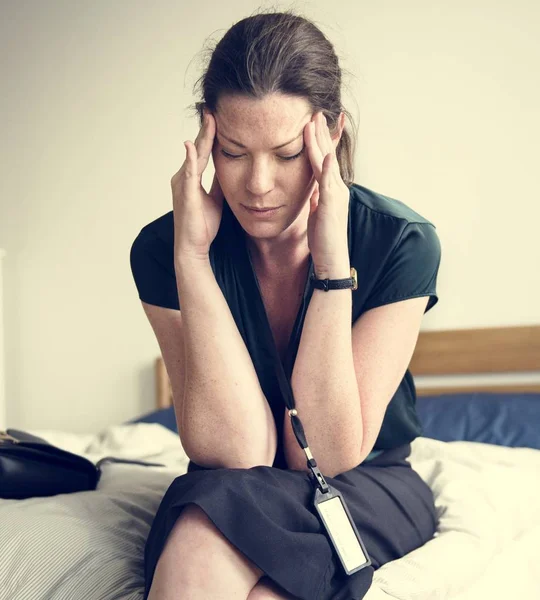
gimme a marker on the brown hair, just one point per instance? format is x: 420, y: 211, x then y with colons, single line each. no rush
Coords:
x: 279, y: 52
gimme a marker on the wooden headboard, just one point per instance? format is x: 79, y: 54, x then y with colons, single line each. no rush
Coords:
x: 451, y: 352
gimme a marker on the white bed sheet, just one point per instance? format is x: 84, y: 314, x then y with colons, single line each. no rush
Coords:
x: 90, y: 545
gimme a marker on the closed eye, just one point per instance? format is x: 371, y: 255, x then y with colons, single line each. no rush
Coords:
x: 234, y: 156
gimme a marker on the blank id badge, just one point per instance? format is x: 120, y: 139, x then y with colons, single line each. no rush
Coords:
x: 340, y: 526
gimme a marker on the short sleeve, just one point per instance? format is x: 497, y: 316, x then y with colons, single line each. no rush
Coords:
x: 152, y: 267
x: 411, y: 268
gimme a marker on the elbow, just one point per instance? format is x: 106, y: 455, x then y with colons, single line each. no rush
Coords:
x: 334, y: 465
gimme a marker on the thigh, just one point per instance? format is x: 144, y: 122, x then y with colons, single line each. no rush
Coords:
x: 392, y: 507
x: 394, y: 512
x: 268, y: 514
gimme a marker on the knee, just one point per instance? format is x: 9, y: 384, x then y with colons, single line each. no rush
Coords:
x: 192, y: 518
x: 194, y: 514
x: 266, y: 589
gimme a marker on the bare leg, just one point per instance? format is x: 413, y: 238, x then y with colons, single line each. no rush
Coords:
x: 198, y: 563
x: 267, y: 590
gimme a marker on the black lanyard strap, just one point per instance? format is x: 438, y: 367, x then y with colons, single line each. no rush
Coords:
x: 283, y: 378
x: 298, y: 430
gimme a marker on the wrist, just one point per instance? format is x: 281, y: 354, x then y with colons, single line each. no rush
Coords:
x: 335, y: 272
x: 337, y: 265
x: 188, y: 262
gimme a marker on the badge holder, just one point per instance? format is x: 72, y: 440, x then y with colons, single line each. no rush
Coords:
x: 333, y: 511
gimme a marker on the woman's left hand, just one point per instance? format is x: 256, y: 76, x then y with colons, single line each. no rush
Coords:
x: 329, y: 202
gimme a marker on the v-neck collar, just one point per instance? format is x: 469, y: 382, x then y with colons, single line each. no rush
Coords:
x: 248, y: 279
x: 233, y: 241
x: 294, y: 339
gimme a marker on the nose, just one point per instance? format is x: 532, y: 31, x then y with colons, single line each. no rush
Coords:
x: 260, y: 179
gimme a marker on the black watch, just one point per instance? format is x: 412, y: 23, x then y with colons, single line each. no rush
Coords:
x: 349, y: 283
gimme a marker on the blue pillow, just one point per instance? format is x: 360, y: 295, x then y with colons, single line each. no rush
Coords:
x: 163, y: 416
x: 492, y: 418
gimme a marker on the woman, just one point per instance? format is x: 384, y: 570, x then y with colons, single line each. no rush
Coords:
x: 256, y: 336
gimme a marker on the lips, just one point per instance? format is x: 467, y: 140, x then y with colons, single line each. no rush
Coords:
x: 261, y: 212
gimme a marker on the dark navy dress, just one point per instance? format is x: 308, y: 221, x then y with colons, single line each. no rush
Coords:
x: 267, y: 512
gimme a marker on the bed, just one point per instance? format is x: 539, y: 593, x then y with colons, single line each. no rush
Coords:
x: 480, y: 454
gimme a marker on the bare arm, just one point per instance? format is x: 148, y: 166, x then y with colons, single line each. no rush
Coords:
x: 343, y: 380
x: 225, y: 418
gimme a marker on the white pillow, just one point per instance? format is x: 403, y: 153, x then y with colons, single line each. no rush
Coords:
x: 90, y: 545
x: 86, y: 545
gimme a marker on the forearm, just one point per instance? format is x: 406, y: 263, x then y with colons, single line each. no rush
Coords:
x: 226, y: 420
x: 324, y: 385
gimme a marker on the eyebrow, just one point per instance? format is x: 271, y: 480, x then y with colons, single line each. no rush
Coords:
x: 274, y: 148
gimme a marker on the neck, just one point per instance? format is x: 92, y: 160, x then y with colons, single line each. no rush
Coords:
x: 278, y: 260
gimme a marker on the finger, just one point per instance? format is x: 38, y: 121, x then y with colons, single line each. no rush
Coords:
x: 311, y: 186
x: 205, y: 140
x: 329, y: 149
x: 327, y: 170
x: 203, y: 128
x: 314, y: 152
x: 198, y: 148
x: 328, y: 136
x: 321, y: 129
x: 191, y: 178
x: 323, y: 184
x: 314, y: 199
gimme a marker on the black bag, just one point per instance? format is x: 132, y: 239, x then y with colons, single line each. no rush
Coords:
x: 32, y: 467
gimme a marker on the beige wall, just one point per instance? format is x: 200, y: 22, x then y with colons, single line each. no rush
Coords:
x: 93, y: 120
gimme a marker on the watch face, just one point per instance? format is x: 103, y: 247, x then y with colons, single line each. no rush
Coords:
x: 355, y: 277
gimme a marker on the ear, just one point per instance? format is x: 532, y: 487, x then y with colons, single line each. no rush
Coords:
x: 340, y: 126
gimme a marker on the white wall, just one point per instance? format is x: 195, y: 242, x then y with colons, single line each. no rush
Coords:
x: 93, y: 119
x: 3, y: 411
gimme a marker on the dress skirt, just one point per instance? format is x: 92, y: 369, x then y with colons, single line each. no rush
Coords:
x: 268, y: 514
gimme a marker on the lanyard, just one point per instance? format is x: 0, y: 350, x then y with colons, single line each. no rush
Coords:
x: 327, y: 500
x: 317, y: 478
x: 285, y: 387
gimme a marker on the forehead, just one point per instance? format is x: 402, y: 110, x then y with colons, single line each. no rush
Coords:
x: 263, y: 122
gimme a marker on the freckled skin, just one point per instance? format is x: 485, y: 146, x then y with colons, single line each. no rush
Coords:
x: 260, y: 177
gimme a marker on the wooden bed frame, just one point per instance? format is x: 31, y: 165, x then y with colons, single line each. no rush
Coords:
x: 452, y: 352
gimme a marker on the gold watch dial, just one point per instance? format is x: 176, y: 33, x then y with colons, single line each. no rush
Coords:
x: 355, y: 277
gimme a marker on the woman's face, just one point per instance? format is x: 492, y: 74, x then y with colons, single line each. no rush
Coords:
x: 253, y: 172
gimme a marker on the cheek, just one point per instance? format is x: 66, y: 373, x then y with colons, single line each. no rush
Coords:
x: 220, y: 164
x: 228, y: 178
x: 223, y: 163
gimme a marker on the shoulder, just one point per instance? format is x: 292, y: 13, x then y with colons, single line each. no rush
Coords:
x: 152, y: 262
x: 155, y: 244
x: 364, y: 203
x: 395, y: 250
x: 379, y: 224
x: 161, y: 228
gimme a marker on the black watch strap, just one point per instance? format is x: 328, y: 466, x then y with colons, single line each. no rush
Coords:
x: 349, y: 283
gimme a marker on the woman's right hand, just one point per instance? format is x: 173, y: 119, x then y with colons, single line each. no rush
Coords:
x: 197, y: 215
